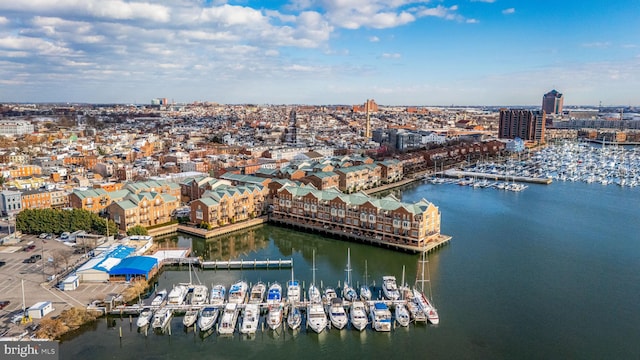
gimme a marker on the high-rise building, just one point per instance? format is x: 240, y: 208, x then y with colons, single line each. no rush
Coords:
x: 552, y: 102
x: 524, y: 124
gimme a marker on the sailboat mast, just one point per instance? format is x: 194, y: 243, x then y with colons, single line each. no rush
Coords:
x: 313, y: 268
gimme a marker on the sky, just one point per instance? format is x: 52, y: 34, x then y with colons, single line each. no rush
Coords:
x: 398, y: 52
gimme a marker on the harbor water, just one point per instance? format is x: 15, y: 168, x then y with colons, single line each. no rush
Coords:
x: 549, y: 272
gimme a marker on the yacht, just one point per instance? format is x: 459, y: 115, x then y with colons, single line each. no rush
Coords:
x: 161, y: 297
x: 402, y: 315
x: 145, y: 317
x: 228, y: 319
x: 294, y: 319
x: 257, y: 293
x: 162, y: 318
x: 177, y: 295
x: 274, y: 296
x: 358, y: 315
x: 208, y: 317
x: 337, y: 314
x: 390, y: 288
x: 380, y: 317
x: 218, y: 293
x: 200, y: 295
x: 190, y: 318
x: 238, y: 292
x: 250, y: 319
x: 316, y: 317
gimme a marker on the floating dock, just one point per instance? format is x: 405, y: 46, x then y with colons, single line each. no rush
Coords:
x: 460, y: 174
x: 230, y: 264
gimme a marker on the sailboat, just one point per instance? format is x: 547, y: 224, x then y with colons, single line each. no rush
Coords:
x: 424, y: 304
x: 294, y: 319
x: 314, y: 293
x: 293, y: 290
x: 348, y: 292
x: 365, y: 291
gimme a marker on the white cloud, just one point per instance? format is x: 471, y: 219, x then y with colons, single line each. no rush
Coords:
x: 509, y: 11
x: 374, y: 39
x: 484, y: 1
x: 597, y: 44
x: 3, y: 20
x: 391, y: 56
x: 100, y: 9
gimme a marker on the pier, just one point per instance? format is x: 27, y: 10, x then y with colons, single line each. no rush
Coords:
x: 460, y: 174
x: 231, y: 264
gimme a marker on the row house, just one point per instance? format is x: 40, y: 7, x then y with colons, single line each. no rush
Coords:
x: 387, y: 220
x: 88, y: 162
x: 94, y: 200
x: 193, y: 188
x: 390, y: 170
x: 36, y: 199
x: 143, y: 209
x: 10, y: 202
x: 229, y: 205
x: 322, y: 180
x: 163, y: 187
x: 22, y: 171
x: 360, y: 177
x: 13, y: 158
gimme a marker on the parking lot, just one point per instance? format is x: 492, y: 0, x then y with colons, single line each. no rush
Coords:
x: 40, y: 279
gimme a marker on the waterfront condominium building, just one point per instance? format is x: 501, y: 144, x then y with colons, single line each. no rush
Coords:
x: 386, y: 221
x: 15, y: 127
x: 552, y: 102
x: 524, y: 124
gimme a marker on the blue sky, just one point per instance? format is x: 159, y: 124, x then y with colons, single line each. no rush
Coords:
x: 398, y: 52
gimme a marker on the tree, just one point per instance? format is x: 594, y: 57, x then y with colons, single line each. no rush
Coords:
x: 137, y: 230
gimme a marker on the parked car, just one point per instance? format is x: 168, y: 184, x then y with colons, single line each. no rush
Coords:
x: 64, y: 236
x: 43, y: 236
x: 3, y: 304
x: 2, y: 263
x: 33, y: 258
x: 29, y: 247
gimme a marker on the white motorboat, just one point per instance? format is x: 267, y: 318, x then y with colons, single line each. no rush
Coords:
x: 402, y: 315
x: 207, y: 318
x: 274, y: 315
x: 161, y: 297
x: 358, y: 315
x: 348, y: 292
x: 337, y: 314
x: 250, y: 319
x: 380, y: 317
x: 162, y: 318
x: 145, y: 317
x: 294, y: 319
x: 190, y: 318
x: 390, y: 288
x: 274, y: 295
x: 316, y: 317
x: 256, y: 296
x: 200, y: 295
x: 228, y: 319
x: 238, y: 292
x: 274, y: 301
x: 177, y: 295
x: 218, y: 294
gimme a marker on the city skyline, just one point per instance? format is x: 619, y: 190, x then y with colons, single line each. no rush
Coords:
x: 399, y: 52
